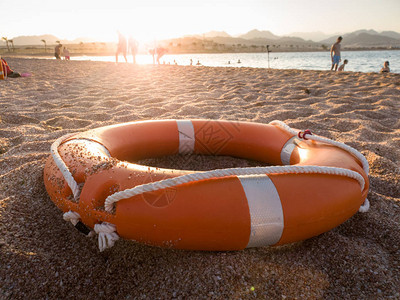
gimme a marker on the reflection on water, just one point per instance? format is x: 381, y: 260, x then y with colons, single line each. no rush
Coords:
x: 359, y: 61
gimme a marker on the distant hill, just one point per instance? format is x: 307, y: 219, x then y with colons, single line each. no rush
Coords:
x: 365, y: 39
x: 34, y: 40
x: 212, y: 34
x: 257, y: 34
x: 314, y: 36
x: 392, y: 34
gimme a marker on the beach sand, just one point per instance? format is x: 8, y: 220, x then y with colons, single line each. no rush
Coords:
x: 42, y: 256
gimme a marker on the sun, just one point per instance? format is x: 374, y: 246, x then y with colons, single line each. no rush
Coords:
x: 149, y: 24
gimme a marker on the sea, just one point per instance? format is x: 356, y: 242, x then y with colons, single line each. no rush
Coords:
x: 358, y: 61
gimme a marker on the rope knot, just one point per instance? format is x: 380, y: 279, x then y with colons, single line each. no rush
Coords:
x: 71, y: 216
x: 75, y: 219
x: 107, y: 235
x: 302, y: 134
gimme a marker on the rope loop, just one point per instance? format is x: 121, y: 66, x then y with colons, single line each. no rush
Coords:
x: 343, y: 146
x: 72, y: 216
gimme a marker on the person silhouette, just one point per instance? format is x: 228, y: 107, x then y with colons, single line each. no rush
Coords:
x: 133, y: 46
x: 335, y: 54
x: 121, y: 47
x: 57, y: 51
x: 385, y: 68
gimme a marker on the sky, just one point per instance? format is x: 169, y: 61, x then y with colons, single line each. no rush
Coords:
x: 147, y: 20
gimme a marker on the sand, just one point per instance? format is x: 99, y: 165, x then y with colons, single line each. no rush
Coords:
x: 42, y: 256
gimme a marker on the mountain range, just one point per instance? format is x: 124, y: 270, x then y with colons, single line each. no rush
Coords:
x: 367, y: 38
x: 357, y: 39
x: 316, y: 36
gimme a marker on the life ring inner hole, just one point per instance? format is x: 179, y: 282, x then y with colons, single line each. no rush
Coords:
x: 200, y: 162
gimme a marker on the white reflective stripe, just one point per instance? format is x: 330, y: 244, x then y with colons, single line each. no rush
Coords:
x: 287, y: 150
x: 265, y: 210
x: 90, y: 143
x: 186, y: 136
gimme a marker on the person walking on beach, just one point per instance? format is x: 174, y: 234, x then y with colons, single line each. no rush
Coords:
x: 133, y: 48
x: 121, y: 48
x: 335, y: 54
x: 57, y: 51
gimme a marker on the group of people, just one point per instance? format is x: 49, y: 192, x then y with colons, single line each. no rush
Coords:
x: 336, y: 58
x: 58, y: 53
x: 131, y: 46
x: 124, y: 47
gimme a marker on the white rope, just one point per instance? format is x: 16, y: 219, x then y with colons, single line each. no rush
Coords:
x: 365, y: 206
x: 348, y: 148
x: 106, y: 231
x: 63, y: 167
x: 71, y: 216
x: 220, y: 173
x: 74, y: 218
x: 154, y: 186
x: 107, y: 235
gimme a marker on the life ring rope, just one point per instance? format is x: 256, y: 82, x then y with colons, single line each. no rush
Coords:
x: 316, y: 138
x: 63, y: 167
x: 171, y: 182
x: 365, y: 206
x: 220, y: 173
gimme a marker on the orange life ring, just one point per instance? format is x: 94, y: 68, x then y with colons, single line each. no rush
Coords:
x: 220, y: 213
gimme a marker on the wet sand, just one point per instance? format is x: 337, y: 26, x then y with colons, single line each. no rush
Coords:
x: 42, y: 256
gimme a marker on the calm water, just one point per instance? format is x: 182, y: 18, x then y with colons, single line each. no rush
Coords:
x: 359, y: 61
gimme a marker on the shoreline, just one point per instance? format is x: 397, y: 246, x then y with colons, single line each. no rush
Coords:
x: 318, y: 61
x: 50, y: 54
x: 44, y: 256
x: 88, y: 59
x: 110, y: 50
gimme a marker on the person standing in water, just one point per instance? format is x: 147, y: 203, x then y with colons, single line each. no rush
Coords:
x: 66, y: 53
x: 335, y: 54
x: 121, y: 48
x: 133, y: 46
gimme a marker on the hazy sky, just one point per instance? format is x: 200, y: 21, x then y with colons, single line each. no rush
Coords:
x: 158, y: 19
